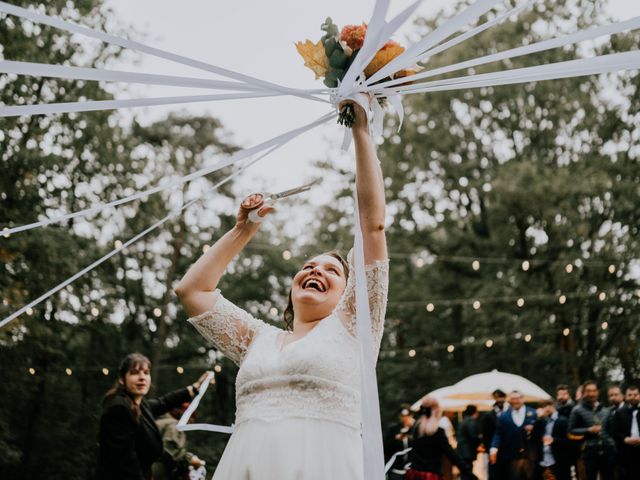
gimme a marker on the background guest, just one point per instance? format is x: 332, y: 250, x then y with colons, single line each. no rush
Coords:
x: 512, y: 447
x: 626, y: 428
x: 129, y: 438
x: 489, y: 422
x: 469, y: 436
x: 553, y: 448
x: 397, y: 439
x: 588, y: 419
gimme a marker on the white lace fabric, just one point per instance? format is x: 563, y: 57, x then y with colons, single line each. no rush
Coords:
x: 317, y: 376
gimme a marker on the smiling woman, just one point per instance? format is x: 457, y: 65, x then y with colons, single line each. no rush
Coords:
x: 298, y: 390
x: 129, y: 438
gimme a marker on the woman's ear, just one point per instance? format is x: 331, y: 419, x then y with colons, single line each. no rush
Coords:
x: 120, y: 382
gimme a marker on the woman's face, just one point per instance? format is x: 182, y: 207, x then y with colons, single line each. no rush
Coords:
x: 319, y: 285
x: 137, y: 381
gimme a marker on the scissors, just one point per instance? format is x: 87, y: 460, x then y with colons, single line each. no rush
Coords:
x: 272, y: 198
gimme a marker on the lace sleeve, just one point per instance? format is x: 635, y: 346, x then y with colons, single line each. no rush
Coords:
x: 377, y: 286
x: 230, y: 328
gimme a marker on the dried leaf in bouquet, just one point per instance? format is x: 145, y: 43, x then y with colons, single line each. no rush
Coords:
x: 314, y: 57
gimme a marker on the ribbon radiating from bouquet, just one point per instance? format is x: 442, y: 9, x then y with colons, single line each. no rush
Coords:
x: 381, y: 68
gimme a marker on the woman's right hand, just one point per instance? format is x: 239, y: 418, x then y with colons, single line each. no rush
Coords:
x: 252, y: 202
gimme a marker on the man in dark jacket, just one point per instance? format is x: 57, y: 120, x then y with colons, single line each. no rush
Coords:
x: 469, y: 436
x: 588, y: 419
x: 553, y: 448
x: 626, y: 431
x: 489, y: 422
x: 396, y: 439
x: 512, y: 446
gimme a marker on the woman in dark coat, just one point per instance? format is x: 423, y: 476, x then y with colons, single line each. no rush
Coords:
x: 129, y: 438
x: 430, y: 444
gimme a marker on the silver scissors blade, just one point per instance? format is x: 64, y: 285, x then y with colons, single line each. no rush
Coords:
x: 293, y: 191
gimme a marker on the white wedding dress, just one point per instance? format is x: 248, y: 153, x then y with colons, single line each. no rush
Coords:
x: 297, y: 405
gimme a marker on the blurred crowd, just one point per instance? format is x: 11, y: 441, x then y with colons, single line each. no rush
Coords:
x: 575, y: 437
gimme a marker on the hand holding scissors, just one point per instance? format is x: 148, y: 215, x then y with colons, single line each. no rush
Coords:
x: 271, y: 198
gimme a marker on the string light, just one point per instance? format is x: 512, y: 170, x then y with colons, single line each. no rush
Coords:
x: 605, y: 325
x: 29, y: 311
x: 117, y: 244
x: 32, y: 371
x: 602, y: 296
x: 180, y: 370
x: 419, y: 262
x: 6, y: 235
x: 412, y: 353
x: 525, y: 265
x: 527, y: 338
x: 566, y: 332
x: 286, y: 255
x: 569, y: 268
x: 273, y: 311
x: 68, y: 371
x: 520, y: 302
x: 562, y: 299
x: 205, y: 247
x: 105, y: 371
x: 488, y: 343
x: 475, y: 265
x: 612, y: 269
x: 217, y: 369
x: 450, y: 348
x: 95, y: 311
x: 5, y: 302
x: 430, y: 307
x: 476, y: 305
x: 157, y: 312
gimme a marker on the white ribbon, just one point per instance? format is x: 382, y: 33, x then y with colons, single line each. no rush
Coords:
x: 240, y: 155
x: 132, y: 240
x: 391, y: 461
x: 112, y: 39
x: 184, y: 425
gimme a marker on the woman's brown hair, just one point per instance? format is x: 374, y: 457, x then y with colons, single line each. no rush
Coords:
x: 130, y: 363
x: 288, y: 312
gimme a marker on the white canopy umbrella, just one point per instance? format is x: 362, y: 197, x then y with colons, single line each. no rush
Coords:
x: 480, y: 386
x: 449, y: 404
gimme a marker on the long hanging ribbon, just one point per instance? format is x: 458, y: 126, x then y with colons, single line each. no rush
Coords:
x: 129, y: 242
x: 373, y: 453
x: 183, y: 423
x: 242, y: 154
x: 570, y: 39
x: 112, y: 39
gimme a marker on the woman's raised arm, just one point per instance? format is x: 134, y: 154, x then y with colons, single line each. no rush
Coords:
x: 197, y: 288
x: 370, y: 190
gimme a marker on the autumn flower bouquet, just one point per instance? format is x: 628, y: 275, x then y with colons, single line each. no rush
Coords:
x: 333, y: 54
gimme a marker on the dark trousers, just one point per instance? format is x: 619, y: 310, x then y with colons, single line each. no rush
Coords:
x: 599, y: 460
x: 558, y: 472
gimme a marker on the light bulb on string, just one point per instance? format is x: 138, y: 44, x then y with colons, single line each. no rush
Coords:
x: 520, y: 302
x: 157, y: 312
x: 29, y: 311
x: 32, y: 371
x: 525, y: 265
x: 527, y: 337
x: 475, y: 265
x: 476, y: 305
x: 205, y: 247
x: 562, y: 299
x: 612, y: 269
x: 105, y: 371
x: 180, y: 370
x: 602, y: 296
x: 450, y: 348
x: 412, y: 353
x: 488, y: 343
x: 68, y: 371
x: 566, y: 332
x: 286, y: 255
x: 273, y: 311
x: 95, y: 311
x: 117, y: 244
x: 217, y: 369
x: 568, y: 268
x: 419, y: 262
x: 605, y: 325
x: 430, y: 307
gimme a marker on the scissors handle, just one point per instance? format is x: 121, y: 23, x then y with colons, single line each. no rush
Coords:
x: 253, y: 214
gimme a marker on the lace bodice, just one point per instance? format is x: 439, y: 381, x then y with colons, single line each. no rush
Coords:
x: 317, y: 376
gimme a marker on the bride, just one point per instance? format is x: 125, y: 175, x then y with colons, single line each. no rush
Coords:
x: 297, y: 390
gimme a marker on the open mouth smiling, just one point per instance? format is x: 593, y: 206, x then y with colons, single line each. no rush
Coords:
x: 315, y: 284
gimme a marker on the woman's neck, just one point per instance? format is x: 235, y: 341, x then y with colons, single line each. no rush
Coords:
x: 137, y: 399
x: 302, y: 327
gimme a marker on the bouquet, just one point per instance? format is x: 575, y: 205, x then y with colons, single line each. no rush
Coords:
x: 333, y: 54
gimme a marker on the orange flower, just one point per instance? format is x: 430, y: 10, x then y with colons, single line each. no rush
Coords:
x: 353, y: 35
x: 387, y: 53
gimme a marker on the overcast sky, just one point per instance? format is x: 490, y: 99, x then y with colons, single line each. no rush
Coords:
x: 257, y: 38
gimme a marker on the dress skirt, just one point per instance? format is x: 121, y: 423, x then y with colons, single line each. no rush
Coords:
x: 292, y: 449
